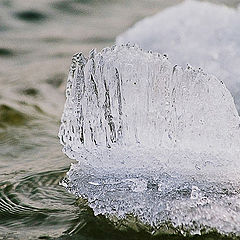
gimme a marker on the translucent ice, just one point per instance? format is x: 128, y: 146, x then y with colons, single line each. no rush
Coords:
x: 151, y: 139
x: 125, y: 96
x: 200, y: 33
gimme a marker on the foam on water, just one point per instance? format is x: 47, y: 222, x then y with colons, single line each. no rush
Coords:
x: 152, y: 139
x: 200, y: 33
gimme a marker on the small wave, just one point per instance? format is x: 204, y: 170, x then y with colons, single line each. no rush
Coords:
x: 11, y: 116
x: 6, y: 52
x: 30, y: 16
x: 36, y: 200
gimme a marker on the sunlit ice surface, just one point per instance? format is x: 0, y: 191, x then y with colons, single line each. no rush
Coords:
x: 152, y: 140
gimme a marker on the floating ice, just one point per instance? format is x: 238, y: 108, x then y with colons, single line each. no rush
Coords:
x: 152, y: 139
x: 200, y: 33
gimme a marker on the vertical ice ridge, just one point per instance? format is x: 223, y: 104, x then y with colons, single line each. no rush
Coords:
x: 126, y: 96
x: 71, y: 129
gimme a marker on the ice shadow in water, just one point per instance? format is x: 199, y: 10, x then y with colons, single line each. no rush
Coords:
x: 89, y: 226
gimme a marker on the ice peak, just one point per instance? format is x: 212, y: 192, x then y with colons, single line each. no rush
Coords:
x: 126, y: 96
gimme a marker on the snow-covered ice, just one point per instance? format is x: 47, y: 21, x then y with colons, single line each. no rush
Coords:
x: 202, y: 34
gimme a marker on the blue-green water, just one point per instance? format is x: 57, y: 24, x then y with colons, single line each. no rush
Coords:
x: 37, y: 40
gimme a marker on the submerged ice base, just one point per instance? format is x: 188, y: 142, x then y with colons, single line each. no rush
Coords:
x: 151, y: 139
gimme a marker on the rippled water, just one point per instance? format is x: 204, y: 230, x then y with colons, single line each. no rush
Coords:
x: 37, y: 40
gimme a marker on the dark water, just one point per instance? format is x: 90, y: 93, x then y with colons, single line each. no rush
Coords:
x: 37, y: 40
